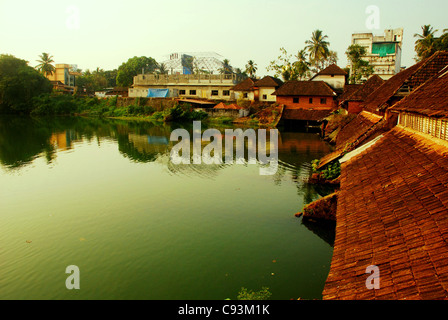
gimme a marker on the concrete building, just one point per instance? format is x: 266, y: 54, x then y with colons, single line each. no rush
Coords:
x: 383, y: 52
x: 63, y: 78
x: 191, y: 86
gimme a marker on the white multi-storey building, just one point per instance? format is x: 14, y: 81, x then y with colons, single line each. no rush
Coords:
x: 383, y: 52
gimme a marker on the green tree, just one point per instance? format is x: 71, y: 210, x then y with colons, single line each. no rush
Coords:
x: 283, y: 66
x: 426, y: 43
x: 318, y: 49
x: 302, y: 65
x: 161, y: 68
x: 251, y: 68
x: 45, y: 64
x: 19, y: 84
x: 360, y: 68
x: 134, y: 66
x: 226, y: 67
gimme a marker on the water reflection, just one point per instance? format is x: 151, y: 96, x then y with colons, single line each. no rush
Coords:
x: 22, y: 140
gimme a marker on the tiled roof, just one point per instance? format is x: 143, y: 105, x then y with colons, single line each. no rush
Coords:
x: 357, y: 129
x: 366, y: 89
x: 305, y: 114
x: 332, y: 69
x: 392, y: 213
x: 410, y: 78
x: 245, y: 85
x: 388, y: 89
x: 432, y: 66
x: 430, y: 99
x: 304, y: 88
x: 349, y: 89
x: 268, y: 81
x: 232, y: 106
x: 362, y: 128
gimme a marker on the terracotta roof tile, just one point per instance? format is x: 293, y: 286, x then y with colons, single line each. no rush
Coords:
x: 411, y: 78
x: 305, y: 114
x: 305, y: 88
x: 366, y: 89
x: 332, y: 69
x: 392, y: 212
x: 268, y: 81
x: 245, y: 85
x: 430, y: 99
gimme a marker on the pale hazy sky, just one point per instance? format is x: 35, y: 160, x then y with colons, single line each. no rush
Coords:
x: 97, y: 33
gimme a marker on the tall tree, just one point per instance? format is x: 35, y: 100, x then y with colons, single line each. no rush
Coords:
x: 425, y: 45
x: 360, y: 68
x: 226, y: 67
x: 302, y: 65
x: 134, y: 66
x: 251, y: 68
x: 283, y: 66
x: 318, y: 49
x: 45, y: 64
x: 161, y: 68
x: 20, y: 84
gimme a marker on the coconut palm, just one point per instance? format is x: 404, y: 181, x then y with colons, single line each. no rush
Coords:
x: 251, y: 68
x: 45, y: 64
x: 226, y: 67
x: 318, y: 49
x: 425, y: 45
x: 161, y: 68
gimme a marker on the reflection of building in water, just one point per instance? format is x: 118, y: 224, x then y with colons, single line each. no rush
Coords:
x: 62, y: 140
x: 300, y: 142
x: 149, y: 144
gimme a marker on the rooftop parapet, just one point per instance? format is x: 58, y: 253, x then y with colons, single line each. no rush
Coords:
x: 176, y: 79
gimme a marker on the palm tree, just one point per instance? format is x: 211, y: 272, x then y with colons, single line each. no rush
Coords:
x: 425, y: 44
x: 45, y: 66
x: 251, y: 68
x: 226, y: 67
x: 161, y: 67
x: 318, y: 48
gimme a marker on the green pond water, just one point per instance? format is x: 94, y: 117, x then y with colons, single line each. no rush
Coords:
x: 104, y: 196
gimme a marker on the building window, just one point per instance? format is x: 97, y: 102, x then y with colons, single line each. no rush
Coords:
x: 192, y: 92
x: 245, y: 95
x: 265, y: 97
x: 181, y: 91
x: 226, y: 92
x: 323, y: 100
x: 311, y: 101
x: 295, y: 100
x: 215, y: 93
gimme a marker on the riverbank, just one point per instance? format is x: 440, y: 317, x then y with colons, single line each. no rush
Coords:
x: 152, y: 109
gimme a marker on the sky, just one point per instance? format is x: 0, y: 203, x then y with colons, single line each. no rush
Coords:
x: 104, y: 34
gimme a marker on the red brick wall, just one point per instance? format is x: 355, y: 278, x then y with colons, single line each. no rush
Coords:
x: 305, y: 104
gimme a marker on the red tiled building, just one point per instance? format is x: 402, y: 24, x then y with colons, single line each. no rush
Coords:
x: 392, y: 209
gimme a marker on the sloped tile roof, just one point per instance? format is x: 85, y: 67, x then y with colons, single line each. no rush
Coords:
x: 356, y: 129
x: 349, y: 89
x: 332, y: 69
x: 268, y: 81
x: 392, y: 213
x: 362, y: 128
x: 366, y: 89
x: 305, y: 114
x: 232, y: 106
x: 245, y: 85
x: 304, y: 88
x: 430, y: 99
x: 412, y: 77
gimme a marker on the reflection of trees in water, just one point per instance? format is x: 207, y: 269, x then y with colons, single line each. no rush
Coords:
x: 24, y: 139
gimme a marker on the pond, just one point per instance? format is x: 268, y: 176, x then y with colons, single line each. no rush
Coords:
x: 103, y: 195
